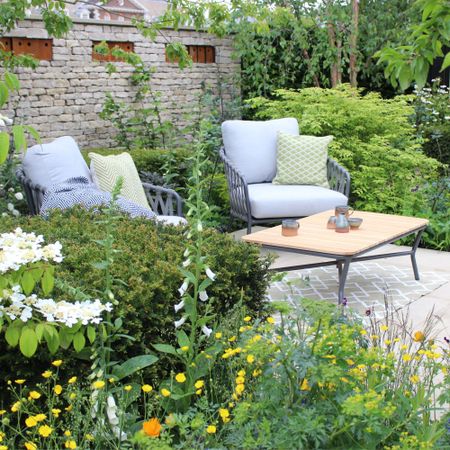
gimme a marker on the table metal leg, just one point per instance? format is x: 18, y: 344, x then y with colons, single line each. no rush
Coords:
x: 343, y: 278
x: 413, y: 254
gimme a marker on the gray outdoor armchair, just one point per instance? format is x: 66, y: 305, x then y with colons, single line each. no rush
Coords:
x: 163, y: 201
x: 249, y: 157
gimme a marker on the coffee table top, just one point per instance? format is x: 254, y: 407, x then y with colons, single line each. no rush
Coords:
x: 314, y: 236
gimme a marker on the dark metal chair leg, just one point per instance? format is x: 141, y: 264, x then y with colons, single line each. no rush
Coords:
x: 343, y: 279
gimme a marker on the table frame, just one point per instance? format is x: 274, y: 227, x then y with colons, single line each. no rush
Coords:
x: 343, y: 261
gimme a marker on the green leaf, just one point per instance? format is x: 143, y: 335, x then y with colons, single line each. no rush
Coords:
x: 52, y: 342
x: 33, y: 133
x: 133, y: 365
x: 12, y: 335
x: 4, y: 146
x: 12, y: 81
x: 28, y: 342
x: 27, y: 282
x: 47, y: 282
x: 404, y: 77
x: 91, y: 333
x: 39, y: 330
x: 165, y: 348
x: 79, y: 341
x: 446, y: 62
x: 20, y: 141
x: 65, y: 337
x: 183, y: 338
x: 4, y: 93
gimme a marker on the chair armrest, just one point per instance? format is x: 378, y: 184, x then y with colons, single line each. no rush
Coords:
x: 163, y: 201
x: 338, y: 177
x: 34, y: 193
x: 237, y: 188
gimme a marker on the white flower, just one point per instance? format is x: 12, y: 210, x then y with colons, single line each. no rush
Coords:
x: 5, y: 120
x: 203, y: 296
x: 183, y: 287
x: 10, y: 206
x: 210, y: 274
x: 111, y: 411
x: 207, y: 331
x: 179, y: 306
x: 186, y: 253
x: 18, y: 195
x: 15, y: 213
x: 199, y: 226
x: 180, y: 322
x: 187, y: 262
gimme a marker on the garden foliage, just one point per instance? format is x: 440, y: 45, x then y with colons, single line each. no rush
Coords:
x: 374, y: 140
x: 147, y: 265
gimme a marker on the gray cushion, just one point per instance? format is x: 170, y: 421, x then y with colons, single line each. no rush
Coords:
x: 269, y: 200
x: 252, y: 146
x: 55, y: 162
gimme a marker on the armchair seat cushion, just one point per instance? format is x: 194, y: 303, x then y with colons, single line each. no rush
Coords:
x: 269, y: 200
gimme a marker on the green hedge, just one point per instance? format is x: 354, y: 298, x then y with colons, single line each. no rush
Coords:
x: 374, y: 140
x: 148, y: 263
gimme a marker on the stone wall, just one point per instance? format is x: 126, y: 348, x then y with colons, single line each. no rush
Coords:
x: 64, y: 96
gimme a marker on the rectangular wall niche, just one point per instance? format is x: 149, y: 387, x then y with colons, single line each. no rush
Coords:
x: 203, y: 54
x: 126, y: 46
x: 38, y: 48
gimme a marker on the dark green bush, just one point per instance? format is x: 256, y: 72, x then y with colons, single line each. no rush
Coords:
x: 148, y: 265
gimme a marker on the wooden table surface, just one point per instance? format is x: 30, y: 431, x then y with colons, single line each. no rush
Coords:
x: 314, y: 236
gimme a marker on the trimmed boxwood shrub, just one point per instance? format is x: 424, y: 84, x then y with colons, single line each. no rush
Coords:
x: 148, y: 264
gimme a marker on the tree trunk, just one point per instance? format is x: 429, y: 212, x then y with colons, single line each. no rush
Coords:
x: 354, y: 44
x: 332, y: 43
x: 339, y: 61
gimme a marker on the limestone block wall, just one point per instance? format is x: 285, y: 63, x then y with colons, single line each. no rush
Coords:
x: 65, y: 95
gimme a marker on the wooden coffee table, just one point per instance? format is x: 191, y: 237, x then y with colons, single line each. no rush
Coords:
x: 343, y: 248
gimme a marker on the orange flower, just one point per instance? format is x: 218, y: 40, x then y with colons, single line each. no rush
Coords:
x: 152, y: 427
x: 419, y: 336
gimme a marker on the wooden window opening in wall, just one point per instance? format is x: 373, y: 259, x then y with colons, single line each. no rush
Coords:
x: 38, y: 48
x: 126, y: 46
x: 202, y: 54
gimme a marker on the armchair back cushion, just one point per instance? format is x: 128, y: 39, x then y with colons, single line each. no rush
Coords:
x: 54, y: 163
x: 302, y: 160
x: 106, y: 170
x: 252, y: 146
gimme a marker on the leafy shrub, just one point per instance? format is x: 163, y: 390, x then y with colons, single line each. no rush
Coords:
x: 373, y: 140
x: 147, y: 263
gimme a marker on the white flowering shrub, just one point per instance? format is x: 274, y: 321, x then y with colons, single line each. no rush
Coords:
x: 26, y: 263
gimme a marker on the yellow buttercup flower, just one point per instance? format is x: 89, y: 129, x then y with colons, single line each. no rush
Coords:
x: 218, y: 335
x: 34, y: 395
x: 89, y: 437
x: 47, y: 374
x: 67, y: 433
x: 147, y: 388
x: 31, y: 422
x: 384, y: 328
x: 2, y: 411
x: 57, y: 389
x: 19, y: 381
x: 128, y: 388
x: 305, y: 386
x: 240, y: 389
x: 247, y: 319
x: 40, y: 417
x: 45, y: 431
x: 30, y: 446
x: 414, y: 379
x: 418, y: 336
x: 199, y: 391
x: 211, y: 429
x: 99, y: 384
x: 406, y: 357
x: 224, y: 413
x: 270, y: 320
x: 180, y: 377
x: 72, y: 380
x: 232, y: 339
x: 3, y: 447
x: 16, y: 406
x: 185, y: 348
x: 165, y: 392
x: 56, y: 412
x: 57, y: 363
x: 250, y: 359
x: 199, y: 384
x: 350, y: 362
x: 69, y: 408
x: 240, y: 380
x: 241, y: 373
x: 70, y: 444
x: 72, y: 396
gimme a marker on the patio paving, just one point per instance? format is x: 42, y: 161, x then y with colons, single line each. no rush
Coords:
x: 371, y: 283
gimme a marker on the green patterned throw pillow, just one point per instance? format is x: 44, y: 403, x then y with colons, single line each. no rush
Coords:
x: 302, y: 159
x: 106, y: 170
